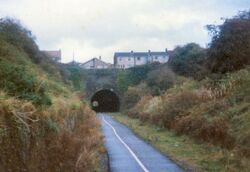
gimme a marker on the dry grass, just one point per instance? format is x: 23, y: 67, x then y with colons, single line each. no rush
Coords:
x: 213, y: 112
x: 64, y: 137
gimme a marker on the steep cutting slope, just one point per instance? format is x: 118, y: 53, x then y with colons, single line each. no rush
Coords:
x: 44, y: 125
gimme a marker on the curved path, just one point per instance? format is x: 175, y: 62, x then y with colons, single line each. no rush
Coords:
x: 128, y: 153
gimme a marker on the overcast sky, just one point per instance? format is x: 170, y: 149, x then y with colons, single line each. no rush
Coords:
x: 93, y: 28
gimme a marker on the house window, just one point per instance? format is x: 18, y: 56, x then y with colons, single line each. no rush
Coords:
x: 156, y: 57
x: 129, y: 59
x: 138, y: 58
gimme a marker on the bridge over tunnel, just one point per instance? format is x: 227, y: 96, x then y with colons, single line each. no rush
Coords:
x: 105, y: 101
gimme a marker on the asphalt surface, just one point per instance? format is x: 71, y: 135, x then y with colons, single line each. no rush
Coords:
x: 128, y: 153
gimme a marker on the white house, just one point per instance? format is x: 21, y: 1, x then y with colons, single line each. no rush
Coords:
x: 96, y: 63
x: 131, y: 59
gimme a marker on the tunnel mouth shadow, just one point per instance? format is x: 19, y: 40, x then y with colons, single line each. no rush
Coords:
x: 105, y: 101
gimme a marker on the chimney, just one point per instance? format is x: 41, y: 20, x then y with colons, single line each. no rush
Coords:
x: 166, y: 50
x: 100, y: 57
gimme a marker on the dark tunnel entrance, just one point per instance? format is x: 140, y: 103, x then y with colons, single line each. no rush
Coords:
x: 105, y: 101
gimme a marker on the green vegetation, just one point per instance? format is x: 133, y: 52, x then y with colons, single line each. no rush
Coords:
x: 211, y: 112
x: 76, y: 75
x: 182, y: 149
x: 133, y: 76
x: 202, y: 94
x: 134, y: 94
x: 160, y: 79
x: 189, y: 61
x: 229, y: 49
x: 44, y: 125
x: 19, y: 75
x: 17, y: 81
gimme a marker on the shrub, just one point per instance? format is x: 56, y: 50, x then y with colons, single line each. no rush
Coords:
x: 177, y: 105
x: 207, y: 122
x: 214, y: 130
x: 214, y: 111
x: 140, y: 108
x: 163, y: 78
x: 134, y: 94
x: 19, y: 82
x: 229, y: 84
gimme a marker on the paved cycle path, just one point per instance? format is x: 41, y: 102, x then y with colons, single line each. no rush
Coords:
x: 128, y: 153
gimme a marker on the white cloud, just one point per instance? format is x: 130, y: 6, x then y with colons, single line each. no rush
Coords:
x: 96, y: 27
x: 165, y: 20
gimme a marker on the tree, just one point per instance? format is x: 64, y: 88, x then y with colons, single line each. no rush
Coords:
x: 188, y: 60
x: 230, y: 46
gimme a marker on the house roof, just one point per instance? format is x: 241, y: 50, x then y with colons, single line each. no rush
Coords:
x: 139, y: 54
x: 96, y: 59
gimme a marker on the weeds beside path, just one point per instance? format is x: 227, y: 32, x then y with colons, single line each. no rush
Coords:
x: 185, y: 151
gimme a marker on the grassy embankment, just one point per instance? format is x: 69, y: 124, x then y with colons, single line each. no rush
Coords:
x: 201, y: 94
x: 208, y: 120
x: 182, y: 149
x: 44, y: 124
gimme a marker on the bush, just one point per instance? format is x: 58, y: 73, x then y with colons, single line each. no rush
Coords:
x: 214, y: 111
x: 162, y: 78
x: 207, y: 122
x: 134, y: 94
x: 214, y: 130
x: 175, y: 106
x: 139, y: 109
x: 19, y: 82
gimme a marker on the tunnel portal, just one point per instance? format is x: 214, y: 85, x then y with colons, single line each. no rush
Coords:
x: 105, y: 101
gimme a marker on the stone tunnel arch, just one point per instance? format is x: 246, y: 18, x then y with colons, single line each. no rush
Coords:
x: 105, y: 101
